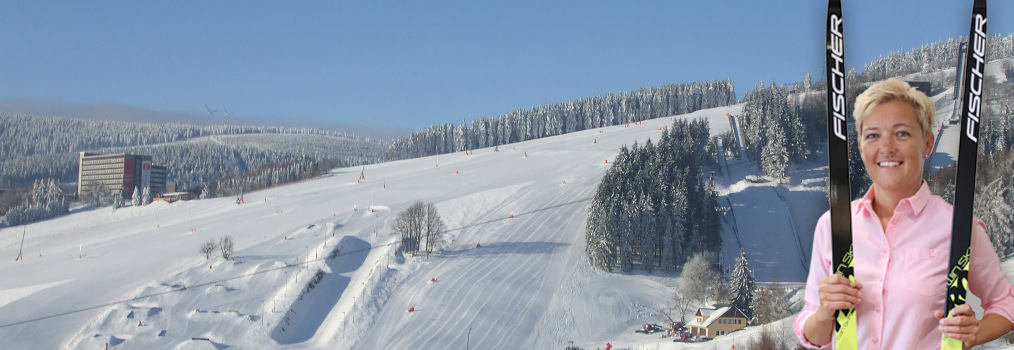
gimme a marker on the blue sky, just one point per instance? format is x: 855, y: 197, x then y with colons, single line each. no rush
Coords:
x: 411, y: 64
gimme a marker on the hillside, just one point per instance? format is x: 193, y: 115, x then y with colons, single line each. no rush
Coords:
x: 513, y: 273
x: 192, y: 154
x: 531, y: 271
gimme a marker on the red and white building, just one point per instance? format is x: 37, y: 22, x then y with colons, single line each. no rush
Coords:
x: 118, y: 173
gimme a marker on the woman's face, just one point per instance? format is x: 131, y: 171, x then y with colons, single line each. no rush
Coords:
x: 893, y: 147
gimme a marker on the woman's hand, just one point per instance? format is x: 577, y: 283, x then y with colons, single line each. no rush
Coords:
x: 963, y: 326
x: 837, y: 292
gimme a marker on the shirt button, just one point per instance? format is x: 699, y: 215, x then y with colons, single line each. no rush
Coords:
x: 876, y: 340
x: 878, y: 309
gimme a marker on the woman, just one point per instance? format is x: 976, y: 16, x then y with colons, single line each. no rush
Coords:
x: 901, y: 241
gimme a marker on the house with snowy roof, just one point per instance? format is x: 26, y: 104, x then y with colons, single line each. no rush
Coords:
x: 715, y: 322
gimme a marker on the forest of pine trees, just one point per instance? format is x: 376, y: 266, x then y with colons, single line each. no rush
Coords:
x: 231, y: 150
x: 656, y: 206
x: 45, y: 200
x: 300, y: 168
x: 563, y: 118
x: 779, y: 129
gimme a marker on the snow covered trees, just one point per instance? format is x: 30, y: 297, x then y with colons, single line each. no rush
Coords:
x: 653, y: 208
x: 562, y: 118
x: 773, y: 129
x: 420, y: 228
x: 298, y: 168
x: 701, y: 280
x: 189, y: 162
x: 45, y: 200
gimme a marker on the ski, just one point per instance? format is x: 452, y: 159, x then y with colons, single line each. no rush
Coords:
x: 838, y: 165
x: 964, y: 182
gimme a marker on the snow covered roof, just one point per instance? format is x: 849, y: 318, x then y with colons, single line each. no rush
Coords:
x: 714, y: 314
x: 174, y: 194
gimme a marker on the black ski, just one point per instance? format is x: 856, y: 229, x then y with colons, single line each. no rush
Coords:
x: 838, y: 164
x: 964, y: 183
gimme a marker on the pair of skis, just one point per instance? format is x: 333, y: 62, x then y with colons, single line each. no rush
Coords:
x: 841, y: 221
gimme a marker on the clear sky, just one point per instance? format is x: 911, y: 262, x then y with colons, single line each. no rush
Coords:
x: 411, y: 64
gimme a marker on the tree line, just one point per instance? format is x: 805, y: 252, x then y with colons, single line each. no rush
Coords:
x: 300, y: 168
x: 562, y: 118
x: 191, y: 163
x: 655, y: 207
x: 931, y: 57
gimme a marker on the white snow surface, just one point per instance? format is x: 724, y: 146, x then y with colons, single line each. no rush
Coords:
x: 133, y: 278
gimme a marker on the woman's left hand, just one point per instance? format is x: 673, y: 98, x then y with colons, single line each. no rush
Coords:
x: 963, y: 326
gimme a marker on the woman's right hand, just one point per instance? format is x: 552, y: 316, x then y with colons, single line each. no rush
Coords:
x: 837, y: 292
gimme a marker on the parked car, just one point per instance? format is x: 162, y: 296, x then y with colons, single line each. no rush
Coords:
x: 650, y: 328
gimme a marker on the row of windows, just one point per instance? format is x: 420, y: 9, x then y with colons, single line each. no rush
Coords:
x: 86, y: 172
x: 103, y: 166
x: 728, y: 321
x: 88, y: 162
x: 102, y: 179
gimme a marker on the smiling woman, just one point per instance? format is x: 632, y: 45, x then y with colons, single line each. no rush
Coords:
x: 901, y: 240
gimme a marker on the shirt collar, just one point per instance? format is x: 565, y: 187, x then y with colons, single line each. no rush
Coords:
x: 917, y: 201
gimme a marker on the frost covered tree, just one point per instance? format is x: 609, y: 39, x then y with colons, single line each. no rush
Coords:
x: 205, y: 192
x: 135, y: 199
x: 146, y: 196
x: 775, y: 157
x: 226, y: 246
x: 701, y: 280
x: 743, y: 285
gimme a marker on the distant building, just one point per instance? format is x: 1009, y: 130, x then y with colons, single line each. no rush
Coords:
x: 170, y: 197
x: 715, y: 322
x: 116, y: 172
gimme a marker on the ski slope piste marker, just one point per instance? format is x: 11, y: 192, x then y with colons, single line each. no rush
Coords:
x: 964, y: 182
x: 838, y: 165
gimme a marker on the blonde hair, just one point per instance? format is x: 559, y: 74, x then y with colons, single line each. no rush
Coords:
x: 895, y: 90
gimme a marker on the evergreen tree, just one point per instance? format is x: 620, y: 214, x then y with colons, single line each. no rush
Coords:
x: 743, y: 285
x: 135, y: 199
x: 775, y: 157
x: 146, y: 196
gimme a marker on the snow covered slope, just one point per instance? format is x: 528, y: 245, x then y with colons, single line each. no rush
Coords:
x: 512, y: 274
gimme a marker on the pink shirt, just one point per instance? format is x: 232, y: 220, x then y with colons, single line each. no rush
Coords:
x: 903, y: 271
